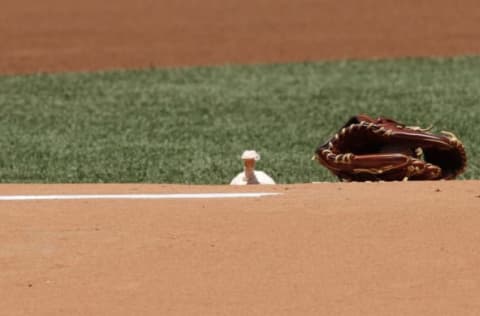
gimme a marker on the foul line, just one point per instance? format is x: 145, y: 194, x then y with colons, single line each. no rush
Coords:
x: 132, y: 196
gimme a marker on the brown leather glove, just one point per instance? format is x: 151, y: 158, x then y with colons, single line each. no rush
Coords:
x: 368, y: 149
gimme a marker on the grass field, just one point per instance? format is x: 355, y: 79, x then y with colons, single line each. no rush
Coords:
x: 191, y: 125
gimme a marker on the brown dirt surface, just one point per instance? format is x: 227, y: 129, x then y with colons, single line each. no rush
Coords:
x: 316, y: 249
x: 60, y: 35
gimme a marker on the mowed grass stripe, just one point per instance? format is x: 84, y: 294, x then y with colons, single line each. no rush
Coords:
x: 191, y: 125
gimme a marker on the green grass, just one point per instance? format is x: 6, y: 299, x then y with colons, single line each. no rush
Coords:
x: 191, y: 125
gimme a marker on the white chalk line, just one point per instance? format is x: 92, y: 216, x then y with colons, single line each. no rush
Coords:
x: 133, y: 196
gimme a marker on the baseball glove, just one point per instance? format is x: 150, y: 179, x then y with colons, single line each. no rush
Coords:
x: 368, y: 149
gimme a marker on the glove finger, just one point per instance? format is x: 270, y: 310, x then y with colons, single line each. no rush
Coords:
x: 424, y: 140
x: 371, y: 164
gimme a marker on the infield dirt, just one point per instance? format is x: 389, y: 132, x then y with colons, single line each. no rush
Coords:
x: 317, y: 249
x: 68, y: 35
